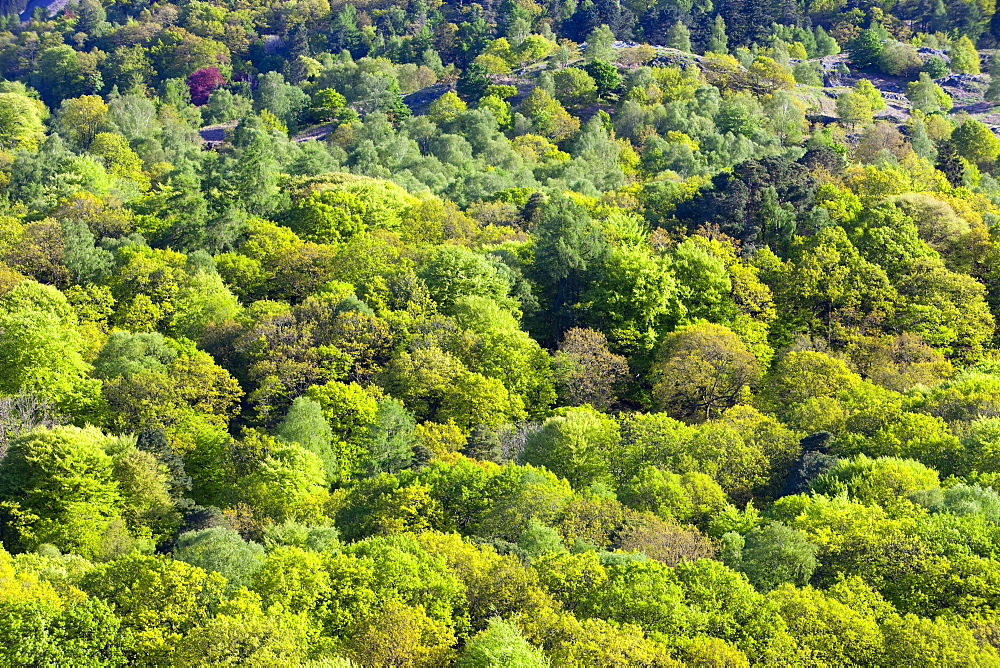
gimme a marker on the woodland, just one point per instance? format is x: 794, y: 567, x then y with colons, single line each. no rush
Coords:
x: 515, y: 333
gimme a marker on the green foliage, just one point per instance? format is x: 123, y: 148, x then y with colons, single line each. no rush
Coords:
x: 964, y: 56
x: 702, y: 370
x: 574, y: 444
x: 20, y: 122
x: 975, y: 142
x: 41, y: 349
x: 866, y: 48
x: 35, y: 632
x: 928, y: 96
x: 158, y: 599
x: 771, y: 555
x: 454, y: 272
x: 222, y: 551
x: 501, y: 644
x: 305, y: 424
x: 875, y: 480
x: 61, y: 479
x: 602, y: 355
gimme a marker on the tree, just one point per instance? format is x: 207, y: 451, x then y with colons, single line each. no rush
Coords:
x: 20, y: 122
x: 400, y: 634
x: 390, y: 439
x: 718, y: 41
x: 825, y: 44
x: 328, y: 104
x: 633, y: 298
x: 294, y: 578
x: 569, y: 249
x: 771, y: 555
x: 129, y: 68
x: 202, y: 302
x: 927, y: 96
x: 734, y: 610
x: 304, y: 424
x: 833, y: 286
x: 118, y: 157
x: 282, y: 483
x: 679, y: 37
x: 242, y: 633
x: 875, y: 481
x: 854, y: 108
x: 899, y: 59
x: 920, y: 140
x: 599, y: 44
x: 80, y: 118
x: 62, y: 479
x: 950, y: 164
x: 975, y: 142
x: 689, y: 499
x: 157, y: 598
x: 575, y: 444
x: 866, y: 48
x: 702, y: 369
x: 145, y: 484
x: 935, y: 67
x: 548, y: 117
x: 42, y: 351
x: 222, y: 551
x: 58, y: 74
x: 349, y: 411
x: 574, y: 87
x: 801, y: 375
x: 787, y: 116
x: 964, y: 56
x: 538, y: 539
x: 865, y: 88
x: 473, y: 83
x: 81, y: 631
x: 202, y: 82
x: 764, y: 76
x: 912, y: 640
x: 993, y: 90
x: 501, y: 644
x: 605, y: 76
x: 454, y: 271
x: 286, y: 101
x: 446, y: 108
x: 827, y: 630
x: 255, y: 178
x: 586, y: 371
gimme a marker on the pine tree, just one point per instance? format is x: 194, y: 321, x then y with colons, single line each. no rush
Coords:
x: 825, y: 45
x: 993, y: 90
x: 920, y: 140
x: 718, y: 42
x: 950, y: 164
x: 484, y: 445
x: 473, y: 82
x: 679, y: 37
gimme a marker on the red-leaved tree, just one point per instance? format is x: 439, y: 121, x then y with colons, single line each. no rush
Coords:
x: 202, y: 82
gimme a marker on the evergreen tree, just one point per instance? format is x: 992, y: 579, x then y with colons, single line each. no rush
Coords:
x: 473, y: 82
x: 570, y: 248
x: 825, y: 44
x: 484, y: 444
x: 867, y: 47
x: 921, y: 141
x: 718, y: 42
x: 949, y: 163
x: 679, y: 37
x: 993, y: 90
